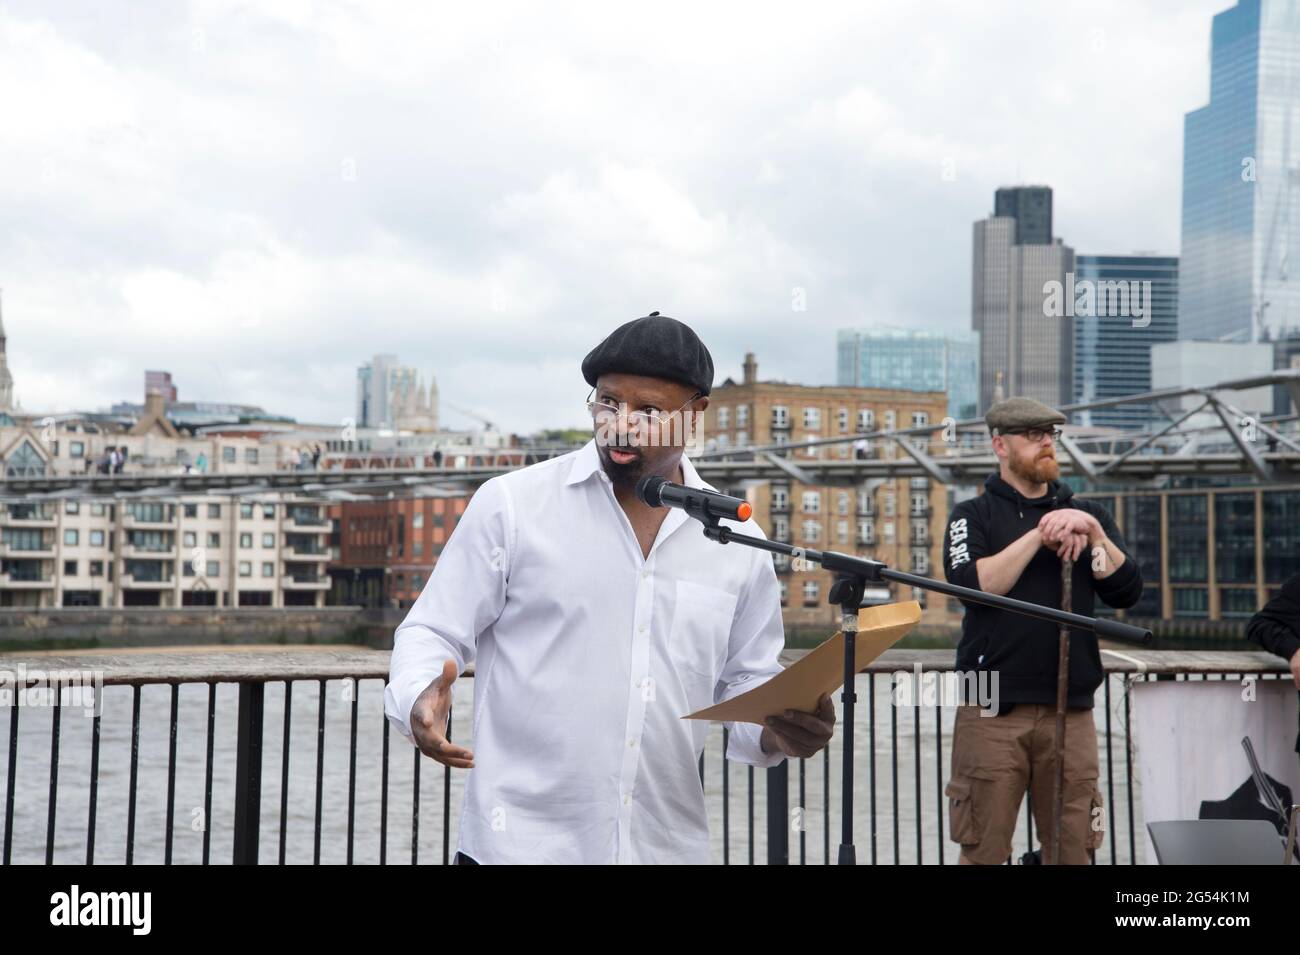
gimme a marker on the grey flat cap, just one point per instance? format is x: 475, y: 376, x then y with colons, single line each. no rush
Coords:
x: 1017, y: 413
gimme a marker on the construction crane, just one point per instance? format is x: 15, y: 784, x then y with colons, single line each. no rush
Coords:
x: 472, y: 414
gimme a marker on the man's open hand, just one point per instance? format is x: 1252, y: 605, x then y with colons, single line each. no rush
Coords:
x: 429, y: 721
x: 800, y: 734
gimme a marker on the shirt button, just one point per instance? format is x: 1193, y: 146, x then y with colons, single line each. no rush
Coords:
x: 627, y: 799
x: 645, y: 574
x: 631, y: 743
x: 642, y: 628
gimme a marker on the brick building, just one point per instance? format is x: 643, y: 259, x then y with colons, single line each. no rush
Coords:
x: 899, y: 522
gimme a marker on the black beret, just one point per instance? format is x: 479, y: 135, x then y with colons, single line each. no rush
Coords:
x: 655, y: 346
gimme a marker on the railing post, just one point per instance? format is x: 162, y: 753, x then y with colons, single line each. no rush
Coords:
x: 778, y: 814
x: 248, y: 773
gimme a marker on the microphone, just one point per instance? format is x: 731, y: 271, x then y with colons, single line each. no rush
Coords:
x: 699, y: 502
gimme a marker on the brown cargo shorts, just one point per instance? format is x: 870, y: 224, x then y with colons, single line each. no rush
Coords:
x: 995, y: 759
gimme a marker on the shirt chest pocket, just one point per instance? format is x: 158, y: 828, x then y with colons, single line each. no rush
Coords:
x: 697, y: 641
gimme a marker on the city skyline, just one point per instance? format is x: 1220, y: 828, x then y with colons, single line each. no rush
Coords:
x: 262, y: 265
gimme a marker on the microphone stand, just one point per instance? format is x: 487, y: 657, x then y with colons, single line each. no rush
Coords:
x: 851, y: 577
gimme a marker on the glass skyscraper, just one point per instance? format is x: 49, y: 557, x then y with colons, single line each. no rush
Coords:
x: 1241, y: 180
x: 885, y: 357
x: 1112, y: 355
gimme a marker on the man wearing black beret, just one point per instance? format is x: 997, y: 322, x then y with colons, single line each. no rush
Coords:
x: 595, y: 623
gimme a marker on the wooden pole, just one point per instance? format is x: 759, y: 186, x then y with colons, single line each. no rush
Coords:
x: 1062, y: 692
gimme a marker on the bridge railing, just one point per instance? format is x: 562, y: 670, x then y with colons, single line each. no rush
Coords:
x: 279, y: 755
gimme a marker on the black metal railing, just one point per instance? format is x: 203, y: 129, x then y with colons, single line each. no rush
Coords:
x: 250, y: 694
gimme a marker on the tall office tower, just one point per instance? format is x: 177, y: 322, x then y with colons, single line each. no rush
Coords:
x: 373, y: 392
x: 907, y: 359
x: 1134, y: 305
x: 160, y: 383
x: 1241, y: 180
x: 392, y: 395
x: 1031, y: 207
x: 1021, y: 341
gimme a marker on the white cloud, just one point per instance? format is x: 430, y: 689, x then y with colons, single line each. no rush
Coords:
x: 258, y: 197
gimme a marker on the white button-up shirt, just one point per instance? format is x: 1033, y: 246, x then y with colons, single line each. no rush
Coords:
x: 587, y: 655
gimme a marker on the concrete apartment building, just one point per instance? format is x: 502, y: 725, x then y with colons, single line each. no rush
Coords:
x: 175, y: 552
x: 899, y: 522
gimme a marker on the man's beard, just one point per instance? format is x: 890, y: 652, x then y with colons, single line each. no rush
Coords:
x: 626, y: 474
x: 1037, y: 470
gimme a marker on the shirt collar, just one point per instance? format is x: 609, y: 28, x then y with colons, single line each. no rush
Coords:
x: 586, y: 462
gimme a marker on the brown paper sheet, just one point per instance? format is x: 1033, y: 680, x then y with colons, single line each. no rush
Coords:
x: 820, y: 671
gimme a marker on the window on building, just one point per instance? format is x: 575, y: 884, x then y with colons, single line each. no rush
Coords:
x: 214, y: 510
x: 812, y: 417
x: 214, y: 568
x: 866, y: 420
x: 812, y: 531
x: 920, y: 419
x: 780, y: 416
x: 812, y: 502
x: 742, y: 416
x: 97, y: 510
x: 844, y: 420
x: 70, y: 537
x: 250, y: 455
x: 245, y: 510
x: 811, y: 592
x: 190, y: 539
x: 228, y: 454
x: 268, y: 540
x: 417, y: 520
x: 97, y: 568
x: 70, y: 568
x: 214, y: 539
x: 77, y: 449
x: 268, y: 569
x: 191, y: 510
x: 724, y: 419
x: 245, y: 541
x: 245, y: 568
x: 96, y: 538
x: 71, y: 507
x: 268, y: 511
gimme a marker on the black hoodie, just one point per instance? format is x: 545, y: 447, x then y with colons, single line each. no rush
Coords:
x: 1023, y: 650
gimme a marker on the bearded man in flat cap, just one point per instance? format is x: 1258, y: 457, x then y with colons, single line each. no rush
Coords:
x: 594, y: 623
x: 1011, y: 540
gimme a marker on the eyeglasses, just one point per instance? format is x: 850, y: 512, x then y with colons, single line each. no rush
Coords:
x: 606, y: 414
x: 1035, y: 435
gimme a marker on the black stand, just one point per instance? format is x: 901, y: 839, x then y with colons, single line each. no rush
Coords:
x: 852, y: 574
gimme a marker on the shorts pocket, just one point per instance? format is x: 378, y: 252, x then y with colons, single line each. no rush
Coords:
x: 962, y: 818
x: 1096, y: 820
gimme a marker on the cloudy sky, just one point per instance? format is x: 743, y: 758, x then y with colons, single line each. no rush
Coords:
x: 259, y: 196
